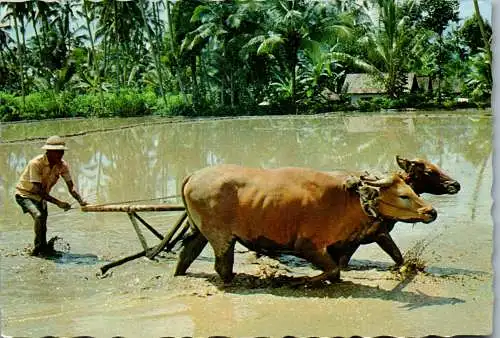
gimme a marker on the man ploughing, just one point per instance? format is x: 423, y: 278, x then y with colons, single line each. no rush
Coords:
x: 35, y: 183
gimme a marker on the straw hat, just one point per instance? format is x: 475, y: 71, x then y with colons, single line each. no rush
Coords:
x: 55, y: 143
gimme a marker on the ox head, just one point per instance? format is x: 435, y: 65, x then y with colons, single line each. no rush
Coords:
x: 426, y: 177
x: 390, y: 197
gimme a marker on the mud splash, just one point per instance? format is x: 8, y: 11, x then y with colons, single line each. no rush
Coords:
x: 61, y: 253
x: 59, y: 245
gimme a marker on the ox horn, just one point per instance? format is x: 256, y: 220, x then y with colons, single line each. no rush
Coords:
x: 383, y: 182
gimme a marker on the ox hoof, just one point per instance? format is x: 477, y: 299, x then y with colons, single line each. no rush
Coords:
x: 335, y: 279
x: 180, y: 272
x: 307, y: 282
x: 298, y: 281
x: 228, y: 280
x: 396, y: 267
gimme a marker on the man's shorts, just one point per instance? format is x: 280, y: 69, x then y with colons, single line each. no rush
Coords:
x: 27, y: 204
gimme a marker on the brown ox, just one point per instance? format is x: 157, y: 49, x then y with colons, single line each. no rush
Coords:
x: 314, y: 215
x: 424, y: 177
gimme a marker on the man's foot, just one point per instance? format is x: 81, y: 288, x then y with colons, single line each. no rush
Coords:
x: 45, y: 252
x: 50, y: 252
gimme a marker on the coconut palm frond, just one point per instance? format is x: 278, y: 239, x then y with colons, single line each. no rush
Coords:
x: 269, y: 44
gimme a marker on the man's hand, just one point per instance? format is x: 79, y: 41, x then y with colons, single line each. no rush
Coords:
x: 64, y: 205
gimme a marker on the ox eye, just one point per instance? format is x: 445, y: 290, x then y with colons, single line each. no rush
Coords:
x: 404, y: 197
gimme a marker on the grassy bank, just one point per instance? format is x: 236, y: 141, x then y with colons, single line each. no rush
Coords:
x: 128, y: 103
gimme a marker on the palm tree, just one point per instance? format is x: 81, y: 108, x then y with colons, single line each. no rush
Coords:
x: 207, y: 27
x: 32, y: 8
x: 294, y: 26
x: 62, y: 23
x: 390, y: 46
x: 88, y: 12
x: 487, y: 46
x: 174, y: 50
x: 120, y: 26
x: 285, y: 36
x: 154, y: 49
x: 218, y: 33
x: 46, y: 10
x: 436, y: 16
x: 5, y: 39
x: 17, y: 12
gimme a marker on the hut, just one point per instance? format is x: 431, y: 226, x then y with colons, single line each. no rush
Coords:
x: 364, y: 86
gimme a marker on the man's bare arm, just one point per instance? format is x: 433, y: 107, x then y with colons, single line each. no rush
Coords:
x: 44, y: 195
x: 75, y: 194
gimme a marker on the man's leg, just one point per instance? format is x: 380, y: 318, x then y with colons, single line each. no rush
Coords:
x: 41, y: 230
x: 38, y: 211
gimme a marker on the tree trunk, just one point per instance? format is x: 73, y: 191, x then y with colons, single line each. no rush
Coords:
x: 194, y: 75
x: 68, y: 27
x: 440, y: 70
x: 21, y: 61
x: 487, y: 46
x: 45, y: 29
x: 231, y: 77
x: 37, y: 39
x: 294, y: 80
x: 91, y: 37
x: 174, y: 53
x: 222, y: 90
x: 117, y: 36
x: 92, y: 57
x: 203, y: 75
x: 156, y: 57
x: 105, y: 55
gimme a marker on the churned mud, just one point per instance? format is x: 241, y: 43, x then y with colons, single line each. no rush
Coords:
x: 141, y: 298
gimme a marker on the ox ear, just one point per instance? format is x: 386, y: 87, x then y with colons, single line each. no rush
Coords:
x: 368, y: 197
x: 410, y: 167
x: 403, y: 163
x: 352, y: 183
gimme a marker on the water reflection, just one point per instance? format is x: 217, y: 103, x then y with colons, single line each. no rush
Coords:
x: 150, y: 161
x: 67, y: 258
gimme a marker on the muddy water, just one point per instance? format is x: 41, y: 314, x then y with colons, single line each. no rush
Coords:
x: 143, y: 161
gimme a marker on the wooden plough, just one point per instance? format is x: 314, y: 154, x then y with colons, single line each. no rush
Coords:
x: 167, y: 242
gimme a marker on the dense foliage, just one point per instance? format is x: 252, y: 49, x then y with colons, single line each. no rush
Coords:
x: 240, y: 57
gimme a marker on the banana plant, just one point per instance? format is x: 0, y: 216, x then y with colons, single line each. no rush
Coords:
x: 479, y: 79
x: 5, y: 40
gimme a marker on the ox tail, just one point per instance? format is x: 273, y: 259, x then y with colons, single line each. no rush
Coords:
x: 191, y: 224
x: 192, y: 243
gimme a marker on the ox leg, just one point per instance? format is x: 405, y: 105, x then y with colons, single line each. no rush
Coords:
x: 385, y: 241
x: 224, y: 260
x: 331, y: 270
x: 346, y: 257
x: 342, y: 252
x: 192, y: 247
x: 321, y: 259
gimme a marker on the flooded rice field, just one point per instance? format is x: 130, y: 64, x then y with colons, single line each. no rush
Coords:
x: 143, y: 161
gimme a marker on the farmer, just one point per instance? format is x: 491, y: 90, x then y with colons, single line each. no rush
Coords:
x: 35, y: 183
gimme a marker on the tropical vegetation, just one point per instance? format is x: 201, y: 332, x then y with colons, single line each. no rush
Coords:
x: 83, y: 58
